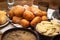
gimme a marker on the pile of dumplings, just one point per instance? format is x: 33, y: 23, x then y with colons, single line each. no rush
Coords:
x: 27, y: 15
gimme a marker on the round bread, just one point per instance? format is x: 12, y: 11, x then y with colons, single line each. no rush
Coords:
x: 35, y: 21
x: 11, y: 14
x: 18, y: 11
x: 3, y: 19
x: 28, y: 15
x: 16, y: 19
x: 44, y: 18
x: 24, y: 23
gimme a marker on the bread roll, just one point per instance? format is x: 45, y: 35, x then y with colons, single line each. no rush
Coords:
x: 35, y: 21
x: 2, y: 12
x: 44, y: 18
x: 11, y: 12
x: 16, y: 19
x: 28, y: 15
x: 3, y: 19
x: 24, y: 23
x: 19, y: 10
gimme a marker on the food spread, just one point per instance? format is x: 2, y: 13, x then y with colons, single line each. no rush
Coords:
x: 27, y: 15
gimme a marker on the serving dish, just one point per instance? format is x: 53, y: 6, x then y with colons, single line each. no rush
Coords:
x: 22, y: 29
x: 1, y: 26
x: 56, y: 37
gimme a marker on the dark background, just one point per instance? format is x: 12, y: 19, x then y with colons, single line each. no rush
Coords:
x: 54, y: 4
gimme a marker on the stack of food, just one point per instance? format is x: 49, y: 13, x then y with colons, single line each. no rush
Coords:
x: 3, y: 17
x: 47, y: 28
x: 27, y: 15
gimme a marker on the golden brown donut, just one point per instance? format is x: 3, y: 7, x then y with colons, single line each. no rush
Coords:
x: 18, y: 11
x: 24, y: 23
x: 28, y: 15
x: 35, y: 21
x: 16, y: 19
x: 44, y: 18
x: 36, y: 11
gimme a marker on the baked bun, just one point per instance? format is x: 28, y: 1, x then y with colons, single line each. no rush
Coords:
x: 3, y: 17
x: 18, y: 10
x: 24, y: 23
x: 44, y: 18
x: 35, y: 21
x: 16, y: 19
x: 11, y: 12
x: 28, y: 15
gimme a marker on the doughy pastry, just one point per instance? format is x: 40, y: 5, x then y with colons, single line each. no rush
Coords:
x: 28, y: 15
x: 3, y: 17
x: 24, y: 23
x: 2, y: 12
x: 35, y: 21
x: 16, y: 19
x: 18, y: 10
x: 44, y: 18
x: 11, y: 12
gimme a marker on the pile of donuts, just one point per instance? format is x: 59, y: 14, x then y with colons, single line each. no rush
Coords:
x: 27, y: 15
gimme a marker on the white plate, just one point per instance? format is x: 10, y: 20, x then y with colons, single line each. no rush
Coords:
x: 17, y: 25
x: 4, y: 24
